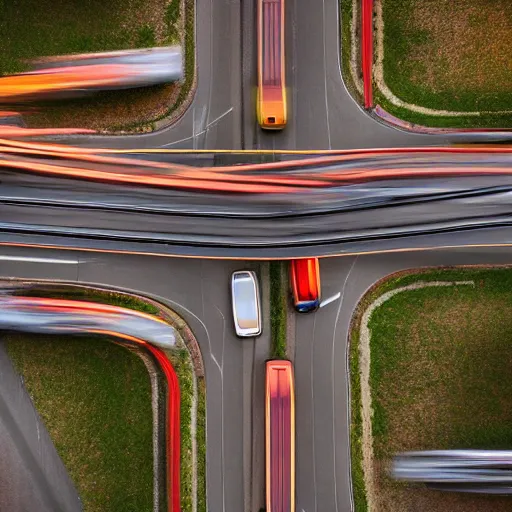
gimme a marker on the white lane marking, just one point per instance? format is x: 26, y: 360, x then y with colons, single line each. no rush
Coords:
x: 349, y: 273
x: 325, y: 78
x: 330, y: 299
x: 30, y: 259
x: 195, y: 135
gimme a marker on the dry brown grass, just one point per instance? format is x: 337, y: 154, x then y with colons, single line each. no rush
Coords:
x: 465, y: 44
x: 109, y: 111
x: 125, y: 110
x: 443, y: 383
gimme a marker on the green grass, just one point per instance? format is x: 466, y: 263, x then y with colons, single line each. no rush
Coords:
x: 356, y: 426
x: 483, y: 121
x: 172, y: 16
x: 401, y: 39
x: 29, y: 354
x: 201, y: 446
x: 346, y: 45
x: 189, y: 64
x: 278, y: 297
x: 30, y: 29
x: 413, y: 50
x: 440, y: 367
x: 95, y: 400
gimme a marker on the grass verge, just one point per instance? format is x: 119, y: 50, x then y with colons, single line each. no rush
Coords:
x: 346, y: 48
x: 30, y: 29
x: 95, y: 400
x: 278, y: 298
x: 440, y: 374
x: 201, y: 445
x: 448, y: 55
x: 181, y: 360
x: 182, y: 364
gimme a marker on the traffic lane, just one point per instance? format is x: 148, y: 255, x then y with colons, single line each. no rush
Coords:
x: 321, y: 372
x: 199, y: 291
x: 212, y: 120
x: 32, y: 475
x: 317, y: 477
x: 287, y: 138
x: 326, y: 113
x: 279, y: 235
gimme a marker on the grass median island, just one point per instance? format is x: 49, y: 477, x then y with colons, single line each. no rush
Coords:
x: 36, y: 364
x: 440, y: 377
x: 95, y: 399
x: 278, y: 298
x: 447, y: 55
x: 30, y: 29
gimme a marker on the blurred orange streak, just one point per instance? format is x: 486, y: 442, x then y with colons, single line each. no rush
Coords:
x: 61, y: 79
x: 173, y: 443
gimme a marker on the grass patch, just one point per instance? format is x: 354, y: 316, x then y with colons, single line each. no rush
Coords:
x: 95, y: 400
x: 346, y: 47
x: 440, y: 374
x: 29, y: 354
x: 278, y: 298
x: 181, y: 362
x: 30, y: 29
x: 201, y: 446
x: 356, y: 426
x: 448, y: 55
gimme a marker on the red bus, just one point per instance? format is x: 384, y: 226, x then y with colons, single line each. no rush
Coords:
x: 271, y: 101
x: 280, y: 437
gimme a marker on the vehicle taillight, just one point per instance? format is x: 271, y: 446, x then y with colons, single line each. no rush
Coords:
x: 306, y: 279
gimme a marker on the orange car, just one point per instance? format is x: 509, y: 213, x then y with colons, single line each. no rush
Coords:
x: 271, y: 101
x: 305, y: 278
x: 280, y: 437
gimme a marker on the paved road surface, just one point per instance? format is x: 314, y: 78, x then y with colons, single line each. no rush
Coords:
x: 32, y: 475
x: 199, y: 291
x: 222, y: 115
x: 323, y: 462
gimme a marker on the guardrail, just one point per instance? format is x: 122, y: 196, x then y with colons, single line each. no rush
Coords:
x: 367, y: 50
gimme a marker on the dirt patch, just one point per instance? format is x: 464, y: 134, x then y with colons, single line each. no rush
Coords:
x: 462, y: 45
x: 113, y: 111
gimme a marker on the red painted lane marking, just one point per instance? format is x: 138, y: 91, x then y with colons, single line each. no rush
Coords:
x: 173, y: 442
x: 367, y: 50
x: 173, y: 427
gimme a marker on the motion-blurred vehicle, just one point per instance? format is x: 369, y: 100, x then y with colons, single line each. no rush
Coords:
x: 473, y: 471
x: 246, y: 303
x: 280, y: 436
x: 305, y: 282
x: 75, y: 75
x: 271, y: 101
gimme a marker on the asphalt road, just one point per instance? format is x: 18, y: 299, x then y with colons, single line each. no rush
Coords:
x: 32, y: 475
x: 322, y: 383
x: 222, y: 115
x: 198, y: 290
